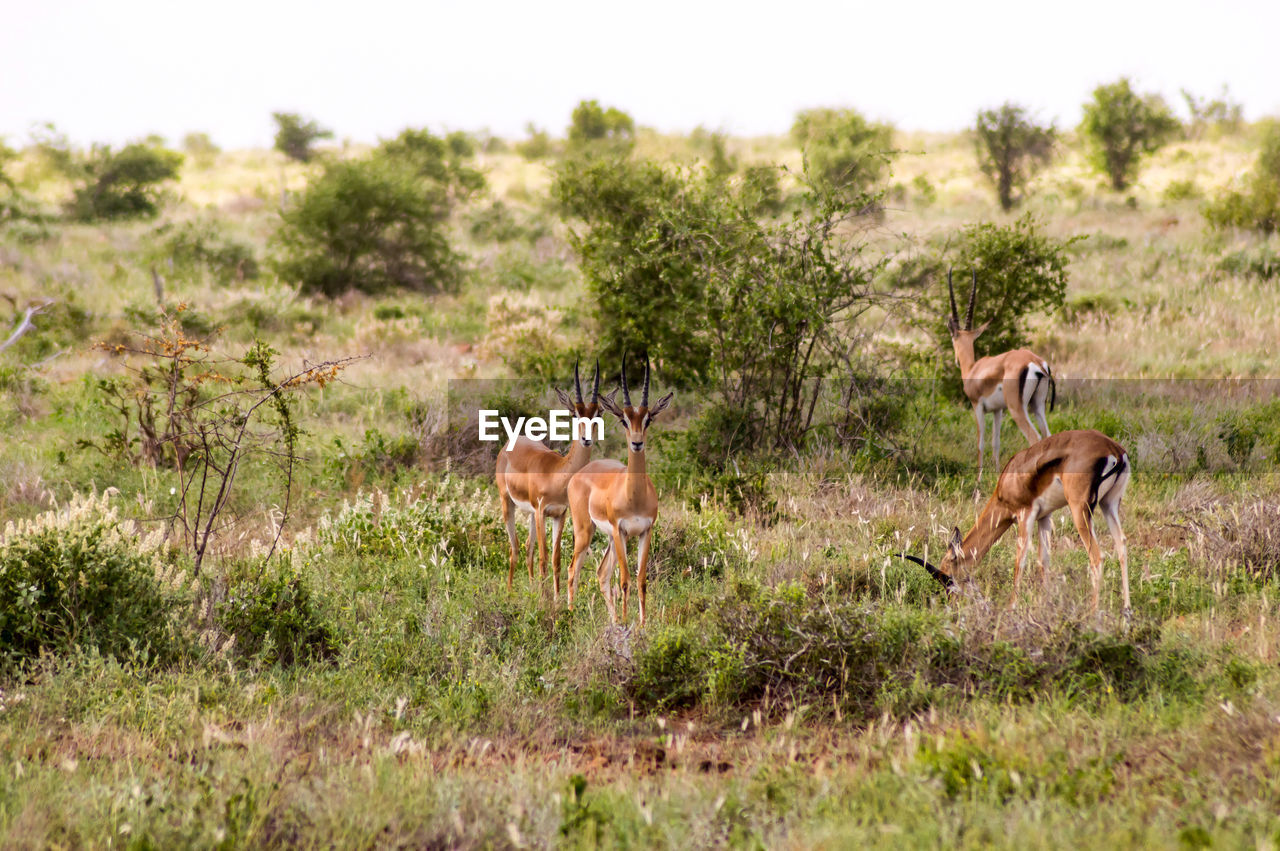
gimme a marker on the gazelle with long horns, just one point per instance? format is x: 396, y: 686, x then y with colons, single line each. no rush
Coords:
x: 619, y: 500
x: 1081, y: 470
x: 1018, y: 381
x: 535, y: 480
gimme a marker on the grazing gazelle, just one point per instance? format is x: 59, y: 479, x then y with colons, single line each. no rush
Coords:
x: 535, y: 480
x: 1019, y: 380
x: 1079, y: 469
x: 619, y: 500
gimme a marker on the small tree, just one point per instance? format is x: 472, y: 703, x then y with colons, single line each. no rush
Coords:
x: 593, y: 126
x: 378, y: 222
x: 844, y: 152
x: 122, y: 184
x: 296, y: 135
x: 1011, y: 147
x: 1220, y: 115
x: 200, y: 148
x: 1121, y: 127
x: 1257, y: 205
x: 1020, y: 272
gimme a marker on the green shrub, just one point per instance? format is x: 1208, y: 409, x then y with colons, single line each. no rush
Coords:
x: 122, y: 184
x: 1021, y: 271
x: 1264, y: 263
x: 201, y: 149
x: 538, y: 146
x: 369, y: 225
x: 80, y: 577
x: 201, y: 244
x: 1180, y: 190
x: 845, y: 154
x: 269, y: 611
x: 595, y: 128
x: 1257, y: 205
x: 670, y: 670
x: 296, y: 136
x: 1121, y: 127
x: 1011, y: 147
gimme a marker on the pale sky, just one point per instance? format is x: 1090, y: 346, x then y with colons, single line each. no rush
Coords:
x: 112, y: 71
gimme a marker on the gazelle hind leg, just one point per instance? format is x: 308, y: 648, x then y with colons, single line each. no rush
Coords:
x: 1111, y: 511
x: 1039, y: 402
x: 557, y: 530
x: 1084, y: 525
x: 642, y: 569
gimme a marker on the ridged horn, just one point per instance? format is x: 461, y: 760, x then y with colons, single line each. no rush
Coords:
x: 577, y: 382
x: 955, y: 314
x: 595, y: 384
x: 973, y: 295
x: 644, y: 401
x: 947, y: 581
x: 626, y: 392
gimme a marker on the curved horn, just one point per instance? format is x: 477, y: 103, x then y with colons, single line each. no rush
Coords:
x: 595, y: 389
x: 644, y: 401
x: 973, y: 294
x: 955, y: 314
x: 947, y: 581
x: 626, y: 393
x: 577, y: 382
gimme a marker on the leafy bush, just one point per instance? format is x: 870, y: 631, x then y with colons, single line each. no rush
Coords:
x: 369, y: 225
x: 538, y: 146
x: 845, y: 154
x: 201, y: 244
x: 270, y: 613
x: 1021, y: 271
x: 201, y: 149
x: 1264, y: 263
x: 1216, y: 117
x: 528, y: 336
x: 594, y: 128
x: 81, y: 577
x: 1180, y: 190
x: 296, y: 136
x: 1121, y: 127
x: 680, y: 269
x: 122, y: 184
x: 1011, y: 147
x: 1257, y: 205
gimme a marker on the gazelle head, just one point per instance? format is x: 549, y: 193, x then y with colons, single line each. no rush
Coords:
x: 963, y: 337
x: 635, y: 421
x: 580, y: 407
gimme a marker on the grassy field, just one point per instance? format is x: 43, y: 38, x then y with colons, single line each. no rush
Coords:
x: 375, y: 685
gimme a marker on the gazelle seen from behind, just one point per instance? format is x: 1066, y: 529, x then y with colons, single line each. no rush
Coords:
x: 535, y: 480
x: 1019, y: 380
x: 1081, y: 470
x: 619, y: 500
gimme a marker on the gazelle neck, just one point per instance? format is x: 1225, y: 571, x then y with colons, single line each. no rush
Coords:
x: 579, y: 455
x: 993, y: 522
x: 964, y: 354
x: 636, y: 475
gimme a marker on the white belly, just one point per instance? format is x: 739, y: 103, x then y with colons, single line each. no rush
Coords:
x: 632, y: 526
x: 526, y: 507
x: 1052, y: 499
x: 994, y: 401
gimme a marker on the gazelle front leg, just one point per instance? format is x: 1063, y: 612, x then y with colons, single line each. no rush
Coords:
x: 642, y: 571
x: 997, y: 420
x: 533, y: 536
x: 513, y: 541
x: 1046, y: 528
x: 624, y: 573
x: 980, y: 416
x: 1024, y: 545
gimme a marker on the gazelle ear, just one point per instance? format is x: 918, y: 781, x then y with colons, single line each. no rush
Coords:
x: 661, y: 405
x: 564, y: 399
x: 981, y: 328
x: 956, y: 544
x: 609, y: 405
